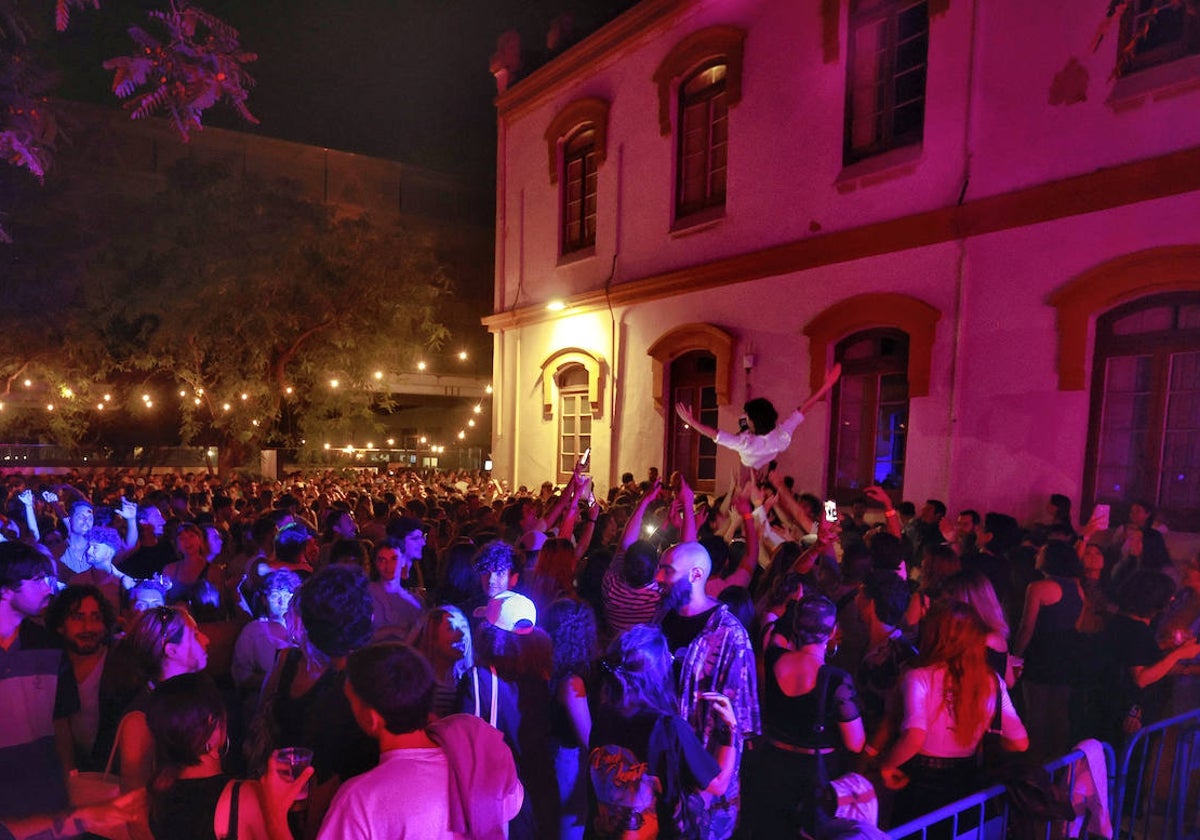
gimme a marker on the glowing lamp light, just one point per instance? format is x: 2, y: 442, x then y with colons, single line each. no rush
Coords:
x: 462, y: 355
x: 379, y: 374
x: 420, y: 366
x: 391, y: 441
x: 245, y: 397
x: 333, y: 383
x: 650, y: 529
x: 556, y: 306
x: 288, y: 389
x: 182, y: 393
x: 200, y: 391
x: 226, y: 406
x: 149, y: 404
x: 108, y: 397
x: 349, y: 449
x: 49, y: 406
x: 488, y: 389
x: 253, y: 422
x: 67, y: 393
x: 422, y: 440
x: 477, y: 409
x: 471, y: 423
x: 100, y: 406
x: 145, y: 398
x: 462, y: 434
x: 370, y: 445
x: 327, y: 446
x: 196, y: 401
x: 212, y: 453
x: 28, y: 383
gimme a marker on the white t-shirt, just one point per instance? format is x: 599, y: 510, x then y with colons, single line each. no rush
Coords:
x: 405, y: 798
x: 758, y: 450
x: 926, y: 707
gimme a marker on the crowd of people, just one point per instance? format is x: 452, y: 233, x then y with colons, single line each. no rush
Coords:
x: 369, y: 654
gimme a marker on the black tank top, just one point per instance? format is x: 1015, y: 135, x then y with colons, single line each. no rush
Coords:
x: 185, y: 810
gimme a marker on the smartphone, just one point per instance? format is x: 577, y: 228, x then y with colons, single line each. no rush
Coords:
x: 831, y: 511
x: 587, y: 453
x: 487, y: 465
x: 1100, y: 513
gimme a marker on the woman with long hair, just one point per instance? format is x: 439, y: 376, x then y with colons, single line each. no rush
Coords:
x: 949, y: 702
x: 191, y: 797
x: 443, y: 635
x: 637, y: 728
x: 811, y: 720
x: 972, y: 586
x: 164, y: 642
x: 553, y: 573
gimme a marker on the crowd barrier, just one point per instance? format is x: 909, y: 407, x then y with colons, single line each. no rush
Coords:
x: 1157, y: 791
x: 986, y: 815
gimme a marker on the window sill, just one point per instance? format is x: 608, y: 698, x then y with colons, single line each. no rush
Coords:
x: 700, y: 220
x: 1160, y: 82
x: 879, y: 168
x: 579, y: 255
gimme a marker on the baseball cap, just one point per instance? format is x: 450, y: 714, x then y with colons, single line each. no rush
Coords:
x: 513, y: 612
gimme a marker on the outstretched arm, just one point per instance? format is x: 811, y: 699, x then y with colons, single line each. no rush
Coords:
x: 685, y: 415
x: 633, y: 528
x: 831, y: 378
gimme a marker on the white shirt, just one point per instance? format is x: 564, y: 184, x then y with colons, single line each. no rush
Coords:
x: 757, y: 451
x: 927, y: 707
x: 405, y: 798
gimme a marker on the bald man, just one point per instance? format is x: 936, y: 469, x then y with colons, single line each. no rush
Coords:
x: 712, y: 652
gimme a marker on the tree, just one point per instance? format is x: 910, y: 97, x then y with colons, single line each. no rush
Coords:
x: 240, y: 301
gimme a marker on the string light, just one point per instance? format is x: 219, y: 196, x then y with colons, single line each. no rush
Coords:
x: 471, y: 423
x: 226, y: 406
x: 67, y: 393
x: 182, y: 392
x: 327, y: 446
x: 149, y: 404
x: 196, y: 401
x: 100, y: 406
x: 478, y: 408
x: 145, y: 398
x: 391, y: 441
x: 28, y: 383
x: 288, y: 389
x: 253, y: 422
x: 49, y: 406
x: 488, y: 389
x: 379, y: 374
x: 108, y: 397
x: 245, y: 397
x: 422, y: 440
x: 462, y: 435
x: 420, y: 366
x: 333, y: 383
x: 370, y: 445
x: 462, y: 355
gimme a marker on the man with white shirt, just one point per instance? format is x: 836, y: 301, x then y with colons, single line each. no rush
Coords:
x: 451, y: 779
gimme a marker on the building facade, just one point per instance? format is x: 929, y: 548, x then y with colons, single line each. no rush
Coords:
x: 988, y: 219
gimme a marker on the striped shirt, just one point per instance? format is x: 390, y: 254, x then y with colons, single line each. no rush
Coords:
x: 624, y: 605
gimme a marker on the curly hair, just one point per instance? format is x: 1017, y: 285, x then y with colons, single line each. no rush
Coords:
x: 336, y: 610
x: 497, y: 556
x: 70, y: 599
x: 572, y: 625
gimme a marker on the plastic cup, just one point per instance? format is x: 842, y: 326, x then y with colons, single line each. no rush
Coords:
x: 292, y: 762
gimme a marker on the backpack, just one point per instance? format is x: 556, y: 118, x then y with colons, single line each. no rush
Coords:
x: 626, y: 794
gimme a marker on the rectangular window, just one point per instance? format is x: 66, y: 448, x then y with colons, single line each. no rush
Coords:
x: 1156, y: 32
x: 703, y: 141
x: 579, y: 192
x: 574, y: 428
x: 886, y: 70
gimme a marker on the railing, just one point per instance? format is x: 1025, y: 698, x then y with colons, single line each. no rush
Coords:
x: 1155, y: 796
x: 986, y: 815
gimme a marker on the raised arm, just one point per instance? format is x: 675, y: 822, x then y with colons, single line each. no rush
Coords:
x: 890, y: 516
x: 831, y: 378
x: 685, y: 415
x: 687, y: 509
x: 633, y: 527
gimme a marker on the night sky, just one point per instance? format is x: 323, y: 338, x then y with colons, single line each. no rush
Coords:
x: 401, y: 79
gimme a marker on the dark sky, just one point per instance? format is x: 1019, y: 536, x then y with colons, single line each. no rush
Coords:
x: 402, y: 79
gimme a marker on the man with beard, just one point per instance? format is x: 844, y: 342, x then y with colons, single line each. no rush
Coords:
x: 712, y: 653
x: 37, y: 690
x: 85, y: 621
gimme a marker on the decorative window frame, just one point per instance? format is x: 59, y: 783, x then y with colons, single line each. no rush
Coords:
x: 726, y: 43
x: 684, y: 339
x: 864, y: 312
x: 1110, y: 284
x: 590, y: 110
x: 555, y: 362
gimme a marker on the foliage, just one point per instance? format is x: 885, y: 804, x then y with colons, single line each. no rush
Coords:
x: 232, y: 292
x: 200, y: 64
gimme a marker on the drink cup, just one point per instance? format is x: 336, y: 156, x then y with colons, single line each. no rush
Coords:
x: 292, y: 762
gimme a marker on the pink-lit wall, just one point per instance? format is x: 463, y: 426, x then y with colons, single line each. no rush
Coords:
x: 995, y: 431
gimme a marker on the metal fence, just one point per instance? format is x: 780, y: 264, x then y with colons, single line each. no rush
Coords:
x: 1157, y: 792
x: 987, y: 815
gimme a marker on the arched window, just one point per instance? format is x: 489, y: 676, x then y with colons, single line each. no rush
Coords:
x: 693, y: 378
x: 703, y: 140
x: 574, y: 418
x: 869, y: 432
x: 1144, y: 433
x: 579, y: 190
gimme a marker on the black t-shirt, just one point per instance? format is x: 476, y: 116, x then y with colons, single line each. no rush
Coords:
x: 680, y: 631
